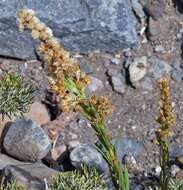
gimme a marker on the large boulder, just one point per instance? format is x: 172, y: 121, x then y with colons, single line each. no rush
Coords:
x: 80, y: 25
x: 26, y: 141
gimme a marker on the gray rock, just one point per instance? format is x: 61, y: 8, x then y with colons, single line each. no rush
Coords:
x: 95, y: 85
x: 29, y: 175
x: 137, y: 7
x: 174, y: 170
x: 26, y: 141
x: 138, y: 69
x: 127, y: 146
x: 88, y: 154
x: 177, y: 75
x: 155, y: 9
x: 115, y: 61
x: 147, y: 84
x: 158, y: 29
x: 159, y: 48
x: 86, y: 68
x: 159, y: 67
x: 118, y: 83
x: 80, y: 25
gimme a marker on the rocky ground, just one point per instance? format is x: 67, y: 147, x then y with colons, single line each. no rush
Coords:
x: 129, y: 78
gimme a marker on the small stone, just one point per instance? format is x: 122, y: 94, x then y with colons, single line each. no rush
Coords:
x: 118, y: 83
x: 86, y: 68
x: 174, y: 170
x: 159, y: 48
x: 158, y: 29
x: 177, y: 75
x: 54, y: 128
x: 26, y: 141
x: 127, y: 146
x: 95, y: 85
x: 138, y: 9
x: 38, y: 113
x: 159, y: 67
x: 88, y: 154
x: 180, y: 160
x: 115, y: 61
x: 73, y: 144
x: 112, y: 71
x: 57, y: 154
x: 147, y: 84
x: 180, y: 174
x: 155, y: 8
x: 138, y: 69
x: 157, y: 170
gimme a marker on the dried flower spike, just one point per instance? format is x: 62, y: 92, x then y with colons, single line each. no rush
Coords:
x: 66, y: 78
x: 166, y: 114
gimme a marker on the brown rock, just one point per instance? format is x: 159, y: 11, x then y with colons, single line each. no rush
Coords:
x: 155, y: 8
x: 158, y: 28
x: 55, y: 127
x: 180, y: 174
x: 38, y: 113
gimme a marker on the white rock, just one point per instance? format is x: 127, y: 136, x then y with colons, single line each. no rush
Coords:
x: 138, y: 69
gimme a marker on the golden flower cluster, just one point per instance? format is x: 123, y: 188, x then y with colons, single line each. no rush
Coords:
x: 62, y: 68
x: 103, y: 107
x: 166, y: 114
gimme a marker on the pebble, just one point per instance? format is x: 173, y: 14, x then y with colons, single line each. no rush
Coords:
x: 177, y: 75
x: 180, y: 159
x: 157, y: 170
x: 138, y: 9
x: 118, y: 83
x: 159, y: 67
x: 26, y: 141
x: 147, y: 84
x: 95, y: 85
x: 159, y: 48
x: 86, y: 68
x: 115, y: 61
x: 73, y: 144
x: 138, y: 69
x: 158, y: 28
x: 58, y: 153
x: 155, y: 8
x: 88, y: 154
x: 112, y: 71
x: 174, y: 170
x: 127, y: 146
x: 38, y: 113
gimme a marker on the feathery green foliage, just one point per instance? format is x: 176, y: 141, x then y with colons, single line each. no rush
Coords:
x: 87, y: 179
x: 11, y: 186
x: 175, y: 184
x: 15, y: 95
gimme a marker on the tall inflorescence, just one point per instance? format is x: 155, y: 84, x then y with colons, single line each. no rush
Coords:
x: 69, y: 82
x: 166, y: 119
x: 66, y: 78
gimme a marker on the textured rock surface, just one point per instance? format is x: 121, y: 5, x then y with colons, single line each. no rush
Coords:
x: 26, y: 141
x: 87, y: 154
x: 81, y: 25
x: 138, y: 69
x: 127, y: 146
x: 27, y: 174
